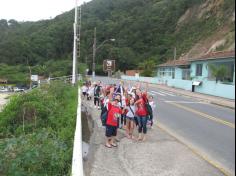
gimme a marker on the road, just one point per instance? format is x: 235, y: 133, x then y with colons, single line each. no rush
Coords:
x: 209, y: 130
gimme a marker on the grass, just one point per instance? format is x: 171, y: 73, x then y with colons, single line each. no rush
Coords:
x: 37, y: 131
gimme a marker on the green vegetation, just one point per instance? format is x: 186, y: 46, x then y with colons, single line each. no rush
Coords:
x: 147, y: 66
x: 142, y: 29
x: 14, y: 74
x: 20, y: 74
x: 220, y: 72
x: 37, y: 130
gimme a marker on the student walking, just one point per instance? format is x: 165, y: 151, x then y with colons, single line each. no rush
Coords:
x: 90, y: 92
x: 84, y: 91
x: 97, y: 91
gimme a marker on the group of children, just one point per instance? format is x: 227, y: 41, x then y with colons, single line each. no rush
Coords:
x: 121, y: 107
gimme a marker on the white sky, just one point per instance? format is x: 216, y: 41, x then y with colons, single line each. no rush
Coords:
x: 34, y: 10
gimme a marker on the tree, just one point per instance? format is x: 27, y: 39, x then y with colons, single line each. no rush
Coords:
x: 219, y: 72
x: 147, y: 67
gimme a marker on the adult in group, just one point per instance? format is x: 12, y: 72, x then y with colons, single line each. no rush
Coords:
x: 142, y: 114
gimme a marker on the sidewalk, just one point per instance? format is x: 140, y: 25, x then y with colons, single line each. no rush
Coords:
x: 160, y: 155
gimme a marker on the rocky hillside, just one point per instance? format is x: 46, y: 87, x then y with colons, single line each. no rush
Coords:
x: 223, y: 36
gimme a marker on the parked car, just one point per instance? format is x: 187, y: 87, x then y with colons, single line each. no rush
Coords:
x: 4, y: 90
x: 34, y: 86
x: 16, y: 89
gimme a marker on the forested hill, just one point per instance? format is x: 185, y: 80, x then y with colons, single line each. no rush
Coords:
x: 143, y: 29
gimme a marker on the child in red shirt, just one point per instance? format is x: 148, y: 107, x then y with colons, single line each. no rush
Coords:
x: 114, y: 112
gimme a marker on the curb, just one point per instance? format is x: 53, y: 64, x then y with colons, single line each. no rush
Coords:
x: 195, y: 150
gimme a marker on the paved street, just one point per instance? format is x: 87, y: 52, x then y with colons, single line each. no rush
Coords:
x: 206, y: 128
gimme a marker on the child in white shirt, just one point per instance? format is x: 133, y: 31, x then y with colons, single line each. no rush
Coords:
x: 153, y: 105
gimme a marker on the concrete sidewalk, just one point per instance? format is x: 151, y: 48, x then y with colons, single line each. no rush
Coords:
x: 160, y: 155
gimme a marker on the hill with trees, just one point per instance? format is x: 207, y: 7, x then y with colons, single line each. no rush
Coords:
x: 146, y: 31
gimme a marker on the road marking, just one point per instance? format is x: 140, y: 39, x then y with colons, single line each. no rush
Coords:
x: 158, y: 93
x: 185, y: 102
x: 167, y: 93
x: 151, y: 93
x: 190, y: 147
x: 205, y: 115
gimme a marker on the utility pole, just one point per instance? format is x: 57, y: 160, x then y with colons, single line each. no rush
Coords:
x: 94, y: 51
x: 79, y: 41
x: 173, y: 70
x: 30, y: 72
x: 86, y: 61
x: 79, y: 32
x: 74, y: 70
x: 174, y: 54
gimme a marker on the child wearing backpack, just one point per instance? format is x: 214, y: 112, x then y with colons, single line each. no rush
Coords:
x: 104, y: 108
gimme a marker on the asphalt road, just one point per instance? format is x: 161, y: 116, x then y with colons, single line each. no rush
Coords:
x: 210, y: 129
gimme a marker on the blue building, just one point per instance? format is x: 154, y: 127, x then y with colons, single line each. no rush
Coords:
x: 198, y: 75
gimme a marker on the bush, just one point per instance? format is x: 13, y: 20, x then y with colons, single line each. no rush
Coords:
x: 40, y: 153
x: 37, y: 130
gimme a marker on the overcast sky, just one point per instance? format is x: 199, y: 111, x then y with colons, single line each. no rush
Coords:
x: 34, y: 10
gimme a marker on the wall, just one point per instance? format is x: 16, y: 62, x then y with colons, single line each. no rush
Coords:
x: 210, y: 87
x: 132, y: 72
x: 177, y: 83
x: 216, y: 89
x: 152, y: 80
x: 207, y: 87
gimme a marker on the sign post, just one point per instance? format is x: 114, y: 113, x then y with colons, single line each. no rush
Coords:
x: 109, y: 66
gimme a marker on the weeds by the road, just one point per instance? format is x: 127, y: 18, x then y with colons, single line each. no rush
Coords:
x: 36, y: 131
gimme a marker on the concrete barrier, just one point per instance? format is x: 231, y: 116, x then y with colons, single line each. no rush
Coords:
x: 77, y: 161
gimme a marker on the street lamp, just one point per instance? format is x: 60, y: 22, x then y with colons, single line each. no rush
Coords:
x: 95, y: 48
x: 76, y: 47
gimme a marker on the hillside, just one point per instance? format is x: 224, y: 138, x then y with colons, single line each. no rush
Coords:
x: 143, y: 29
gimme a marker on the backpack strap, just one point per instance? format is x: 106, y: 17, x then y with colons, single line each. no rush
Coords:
x: 131, y: 110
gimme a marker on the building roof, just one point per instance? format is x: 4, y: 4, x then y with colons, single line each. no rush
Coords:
x: 179, y: 62
x: 209, y: 56
x: 3, y: 80
x: 215, y: 55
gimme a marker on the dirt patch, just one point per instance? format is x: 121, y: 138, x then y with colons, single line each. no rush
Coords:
x: 203, y: 46
x: 3, y: 100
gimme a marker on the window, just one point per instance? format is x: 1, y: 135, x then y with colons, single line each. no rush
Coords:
x: 167, y: 72
x: 186, y: 74
x: 199, y: 70
x: 228, y: 76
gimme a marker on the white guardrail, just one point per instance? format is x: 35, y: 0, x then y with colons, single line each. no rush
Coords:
x: 77, y: 161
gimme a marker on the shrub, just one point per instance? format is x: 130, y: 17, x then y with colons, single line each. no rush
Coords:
x: 37, y: 130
